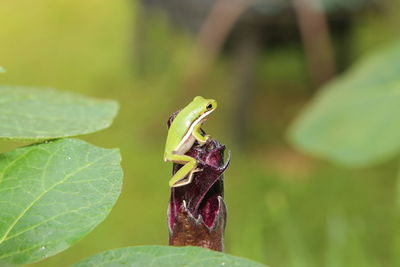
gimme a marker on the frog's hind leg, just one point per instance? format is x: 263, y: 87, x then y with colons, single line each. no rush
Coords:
x: 185, y: 180
x: 188, y: 169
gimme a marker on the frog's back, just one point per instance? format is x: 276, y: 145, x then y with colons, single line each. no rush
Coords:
x: 174, y: 137
x: 181, y: 125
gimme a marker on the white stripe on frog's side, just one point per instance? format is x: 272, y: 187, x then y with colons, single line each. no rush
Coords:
x: 188, y: 139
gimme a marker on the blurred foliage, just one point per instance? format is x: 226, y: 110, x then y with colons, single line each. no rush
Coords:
x: 285, y: 209
x: 353, y: 119
x: 274, y: 7
x: 168, y: 256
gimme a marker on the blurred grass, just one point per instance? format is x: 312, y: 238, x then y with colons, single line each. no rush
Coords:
x: 285, y: 209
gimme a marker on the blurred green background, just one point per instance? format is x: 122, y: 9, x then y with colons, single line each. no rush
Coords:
x: 284, y: 208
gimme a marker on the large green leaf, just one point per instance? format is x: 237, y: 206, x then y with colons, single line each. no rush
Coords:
x: 155, y: 256
x: 52, y: 194
x: 33, y: 114
x: 355, y: 119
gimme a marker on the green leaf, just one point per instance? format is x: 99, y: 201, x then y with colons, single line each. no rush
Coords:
x: 38, y: 114
x: 155, y: 256
x: 355, y: 119
x: 52, y: 194
x: 2, y: 70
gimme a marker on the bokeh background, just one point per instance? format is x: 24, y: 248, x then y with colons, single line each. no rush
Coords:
x: 263, y: 61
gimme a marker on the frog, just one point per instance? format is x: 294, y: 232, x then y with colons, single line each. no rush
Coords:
x: 183, y: 132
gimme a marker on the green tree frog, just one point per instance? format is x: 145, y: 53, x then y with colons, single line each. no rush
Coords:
x: 183, y: 132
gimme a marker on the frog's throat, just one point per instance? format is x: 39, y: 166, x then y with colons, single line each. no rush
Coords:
x: 196, y: 122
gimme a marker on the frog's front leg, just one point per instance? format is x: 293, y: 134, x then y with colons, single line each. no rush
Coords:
x: 197, y: 133
x: 188, y: 168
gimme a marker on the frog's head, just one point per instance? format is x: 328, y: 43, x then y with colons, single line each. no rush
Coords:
x: 204, y: 106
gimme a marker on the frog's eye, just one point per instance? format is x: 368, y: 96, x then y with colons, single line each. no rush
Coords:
x: 209, y: 106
